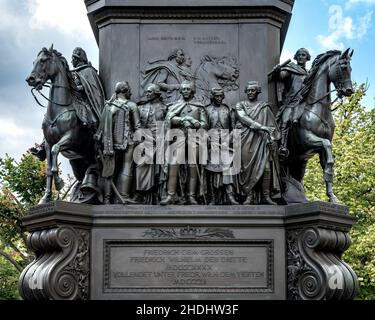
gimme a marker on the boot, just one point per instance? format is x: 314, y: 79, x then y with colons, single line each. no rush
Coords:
x: 169, y: 200
x: 212, y: 199
x: 232, y: 200
x: 193, y: 181
x: 249, y: 200
x: 171, y: 187
x: 283, y: 150
x: 123, y: 187
x: 230, y: 195
x: 107, y: 192
x: 266, y: 184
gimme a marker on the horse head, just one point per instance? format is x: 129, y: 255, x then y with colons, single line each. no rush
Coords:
x: 220, y: 68
x: 340, y: 74
x: 226, y: 69
x: 46, y: 67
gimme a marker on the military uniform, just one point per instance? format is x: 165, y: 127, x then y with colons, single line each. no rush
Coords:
x: 149, y: 176
x: 185, y: 115
x: 119, y: 122
x: 220, y: 117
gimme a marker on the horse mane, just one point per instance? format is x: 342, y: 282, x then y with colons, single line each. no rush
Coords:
x: 65, y: 65
x: 319, y: 60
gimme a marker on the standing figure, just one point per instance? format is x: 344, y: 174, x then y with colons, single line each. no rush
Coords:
x: 149, y: 176
x: 119, y: 121
x: 221, y: 119
x: 87, y: 81
x: 185, y: 114
x: 169, y: 74
x: 259, y: 162
x: 292, y: 77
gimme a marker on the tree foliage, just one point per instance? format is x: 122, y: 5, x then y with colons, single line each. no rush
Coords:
x: 22, y: 184
x: 354, y: 150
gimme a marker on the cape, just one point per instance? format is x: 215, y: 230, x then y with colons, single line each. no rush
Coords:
x: 294, y: 68
x: 256, y: 149
x: 176, y: 108
x: 88, y: 76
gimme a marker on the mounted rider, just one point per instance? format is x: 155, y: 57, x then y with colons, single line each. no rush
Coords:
x: 87, y: 82
x: 291, y: 77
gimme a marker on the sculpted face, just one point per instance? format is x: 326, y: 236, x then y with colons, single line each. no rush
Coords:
x: 187, y: 91
x: 252, y: 93
x: 150, y: 93
x: 180, y: 59
x: 301, y: 58
x: 75, y: 61
x: 218, y: 98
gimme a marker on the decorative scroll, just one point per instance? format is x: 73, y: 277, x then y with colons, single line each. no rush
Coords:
x: 315, y: 268
x: 61, y: 268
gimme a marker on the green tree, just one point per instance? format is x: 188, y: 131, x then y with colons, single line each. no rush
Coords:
x: 22, y: 184
x: 354, y: 149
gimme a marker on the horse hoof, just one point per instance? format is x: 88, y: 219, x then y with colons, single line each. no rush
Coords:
x: 45, y: 199
x: 59, y: 184
x: 334, y: 199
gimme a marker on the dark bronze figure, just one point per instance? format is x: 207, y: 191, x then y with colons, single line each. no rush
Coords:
x: 291, y: 77
x: 185, y: 114
x: 313, y: 132
x: 260, y: 165
x: 66, y: 125
x: 119, y: 121
x: 87, y: 81
x: 150, y: 177
x: 221, y: 119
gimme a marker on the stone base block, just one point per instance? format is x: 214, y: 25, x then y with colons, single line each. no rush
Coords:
x: 188, y: 252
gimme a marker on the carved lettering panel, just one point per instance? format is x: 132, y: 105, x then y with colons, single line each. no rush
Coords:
x: 237, y: 267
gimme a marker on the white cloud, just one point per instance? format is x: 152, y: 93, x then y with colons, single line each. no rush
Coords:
x: 343, y: 27
x: 16, y: 138
x: 65, y: 16
x: 352, y: 2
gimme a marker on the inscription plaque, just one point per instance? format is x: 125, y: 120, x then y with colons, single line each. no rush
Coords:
x: 244, y: 267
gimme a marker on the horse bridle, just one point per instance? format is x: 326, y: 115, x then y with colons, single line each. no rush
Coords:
x: 339, y: 84
x: 48, y: 85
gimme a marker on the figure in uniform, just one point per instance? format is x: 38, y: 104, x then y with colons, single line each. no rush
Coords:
x: 120, y: 120
x: 292, y: 77
x: 150, y: 178
x: 87, y: 81
x: 221, y: 120
x: 185, y: 114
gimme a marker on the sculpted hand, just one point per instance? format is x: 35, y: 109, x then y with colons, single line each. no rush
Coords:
x: 276, y: 69
x: 197, y: 124
x: 186, y: 123
x: 269, y: 130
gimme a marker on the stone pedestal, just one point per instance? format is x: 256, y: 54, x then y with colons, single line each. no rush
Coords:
x: 133, y: 33
x: 195, y: 252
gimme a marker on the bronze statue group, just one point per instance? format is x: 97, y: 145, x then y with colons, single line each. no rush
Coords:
x: 129, y: 136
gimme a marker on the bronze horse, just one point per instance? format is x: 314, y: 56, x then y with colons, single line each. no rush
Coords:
x: 63, y: 130
x: 313, y: 132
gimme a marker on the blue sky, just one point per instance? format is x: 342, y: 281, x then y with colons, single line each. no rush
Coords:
x: 28, y: 25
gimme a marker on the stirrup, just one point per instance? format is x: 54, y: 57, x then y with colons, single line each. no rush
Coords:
x: 284, y: 152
